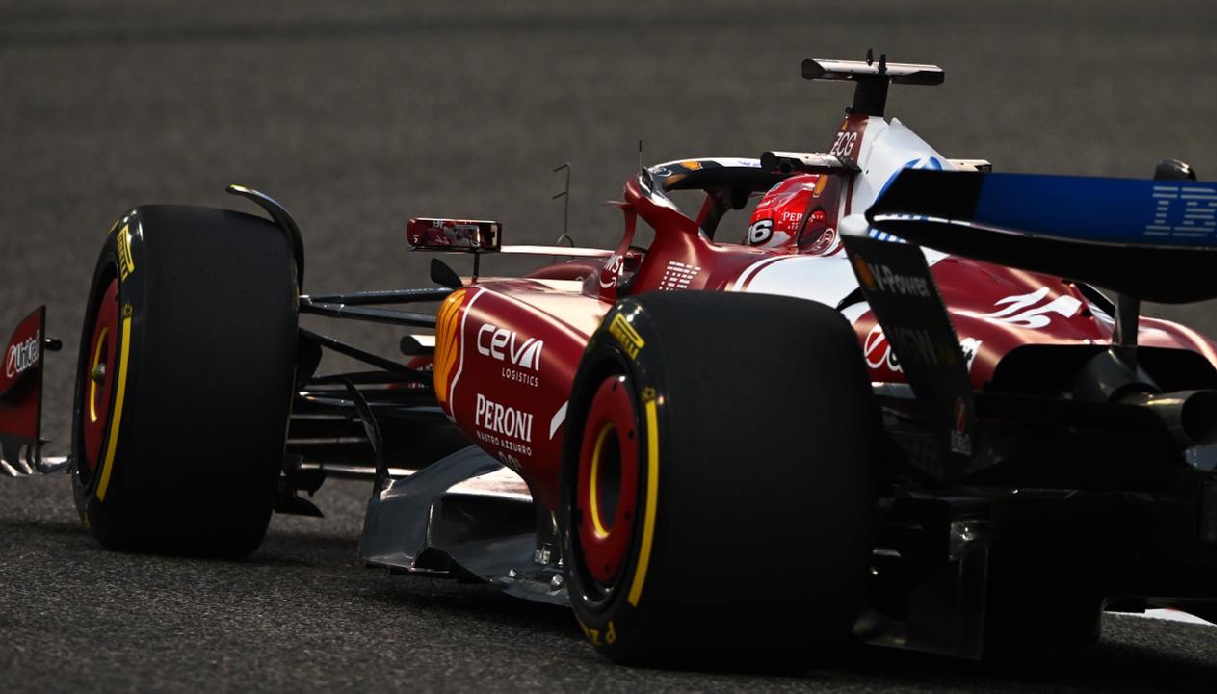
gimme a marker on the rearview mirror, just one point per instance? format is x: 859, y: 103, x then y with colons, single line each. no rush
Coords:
x: 463, y: 235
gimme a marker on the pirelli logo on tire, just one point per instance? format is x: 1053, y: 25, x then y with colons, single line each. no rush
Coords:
x: 625, y: 333
x: 126, y: 262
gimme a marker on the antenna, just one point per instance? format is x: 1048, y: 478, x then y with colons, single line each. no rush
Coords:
x: 565, y: 194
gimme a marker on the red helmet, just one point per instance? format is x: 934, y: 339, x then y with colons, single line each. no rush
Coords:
x: 778, y: 220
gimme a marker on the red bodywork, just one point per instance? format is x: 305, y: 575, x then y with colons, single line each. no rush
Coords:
x: 21, y: 381
x: 507, y: 349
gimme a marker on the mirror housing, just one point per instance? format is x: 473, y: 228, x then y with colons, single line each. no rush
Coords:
x: 459, y: 235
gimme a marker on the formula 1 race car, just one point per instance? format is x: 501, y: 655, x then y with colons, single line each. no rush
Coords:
x: 895, y: 407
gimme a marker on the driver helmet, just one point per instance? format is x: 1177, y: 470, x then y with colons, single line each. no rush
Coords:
x: 778, y: 220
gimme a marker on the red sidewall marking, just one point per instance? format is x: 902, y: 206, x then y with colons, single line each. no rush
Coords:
x: 607, y: 528
x: 103, y: 350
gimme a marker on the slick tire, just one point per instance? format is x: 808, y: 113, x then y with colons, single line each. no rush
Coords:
x: 184, y: 382
x: 719, y: 485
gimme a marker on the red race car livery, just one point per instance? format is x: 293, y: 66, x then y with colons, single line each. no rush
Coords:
x: 895, y: 394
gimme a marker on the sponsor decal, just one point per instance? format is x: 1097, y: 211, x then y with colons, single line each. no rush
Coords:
x: 22, y: 356
x: 881, y: 277
x: 692, y: 164
x: 878, y: 352
x: 126, y: 263
x: 512, y: 426
x: 625, y: 333
x: 679, y: 275
x: 519, y: 376
x: 1030, y: 310
x: 924, y: 349
x: 612, y: 270
x: 1186, y: 210
x: 593, y: 635
x: 521, y: 358
x: 961, y: 440
x: 506, y: 444
x: 503, y: 419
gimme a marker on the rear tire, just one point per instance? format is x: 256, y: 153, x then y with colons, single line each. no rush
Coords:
x: 184, y: 381
x: 719, y: 495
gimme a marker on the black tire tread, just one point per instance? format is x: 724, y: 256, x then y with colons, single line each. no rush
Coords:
x: 209, y: 385
x: 767, y: 494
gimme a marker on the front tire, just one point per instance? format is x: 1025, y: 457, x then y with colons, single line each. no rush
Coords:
x: 719, y: 494
x: 184, y: 381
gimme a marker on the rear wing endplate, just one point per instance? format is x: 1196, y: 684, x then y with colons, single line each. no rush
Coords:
x: 895, y: 280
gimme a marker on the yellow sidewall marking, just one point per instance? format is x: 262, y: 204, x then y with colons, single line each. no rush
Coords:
x: 592, y: 490
x: 117, y: 413
x: 648, y: 518
x: 101, y: 340
x: 126, y: 261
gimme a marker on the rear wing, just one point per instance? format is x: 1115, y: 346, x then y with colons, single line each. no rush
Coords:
x: 1152, y: 240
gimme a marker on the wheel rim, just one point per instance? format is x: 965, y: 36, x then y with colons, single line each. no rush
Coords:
x: 607, y: 482
x: 98, y: 376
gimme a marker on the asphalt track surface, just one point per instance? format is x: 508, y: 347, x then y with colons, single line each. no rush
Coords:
x: 359, y: 115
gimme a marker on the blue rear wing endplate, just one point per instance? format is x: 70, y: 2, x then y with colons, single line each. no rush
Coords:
x: 1154, y: 240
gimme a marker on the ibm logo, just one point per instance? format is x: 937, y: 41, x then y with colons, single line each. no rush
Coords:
x: 1184, y: 211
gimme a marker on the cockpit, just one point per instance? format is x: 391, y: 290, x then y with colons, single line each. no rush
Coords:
x: 791, y: 199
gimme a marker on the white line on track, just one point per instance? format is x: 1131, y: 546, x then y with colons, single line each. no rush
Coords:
x: 1171, y: 616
